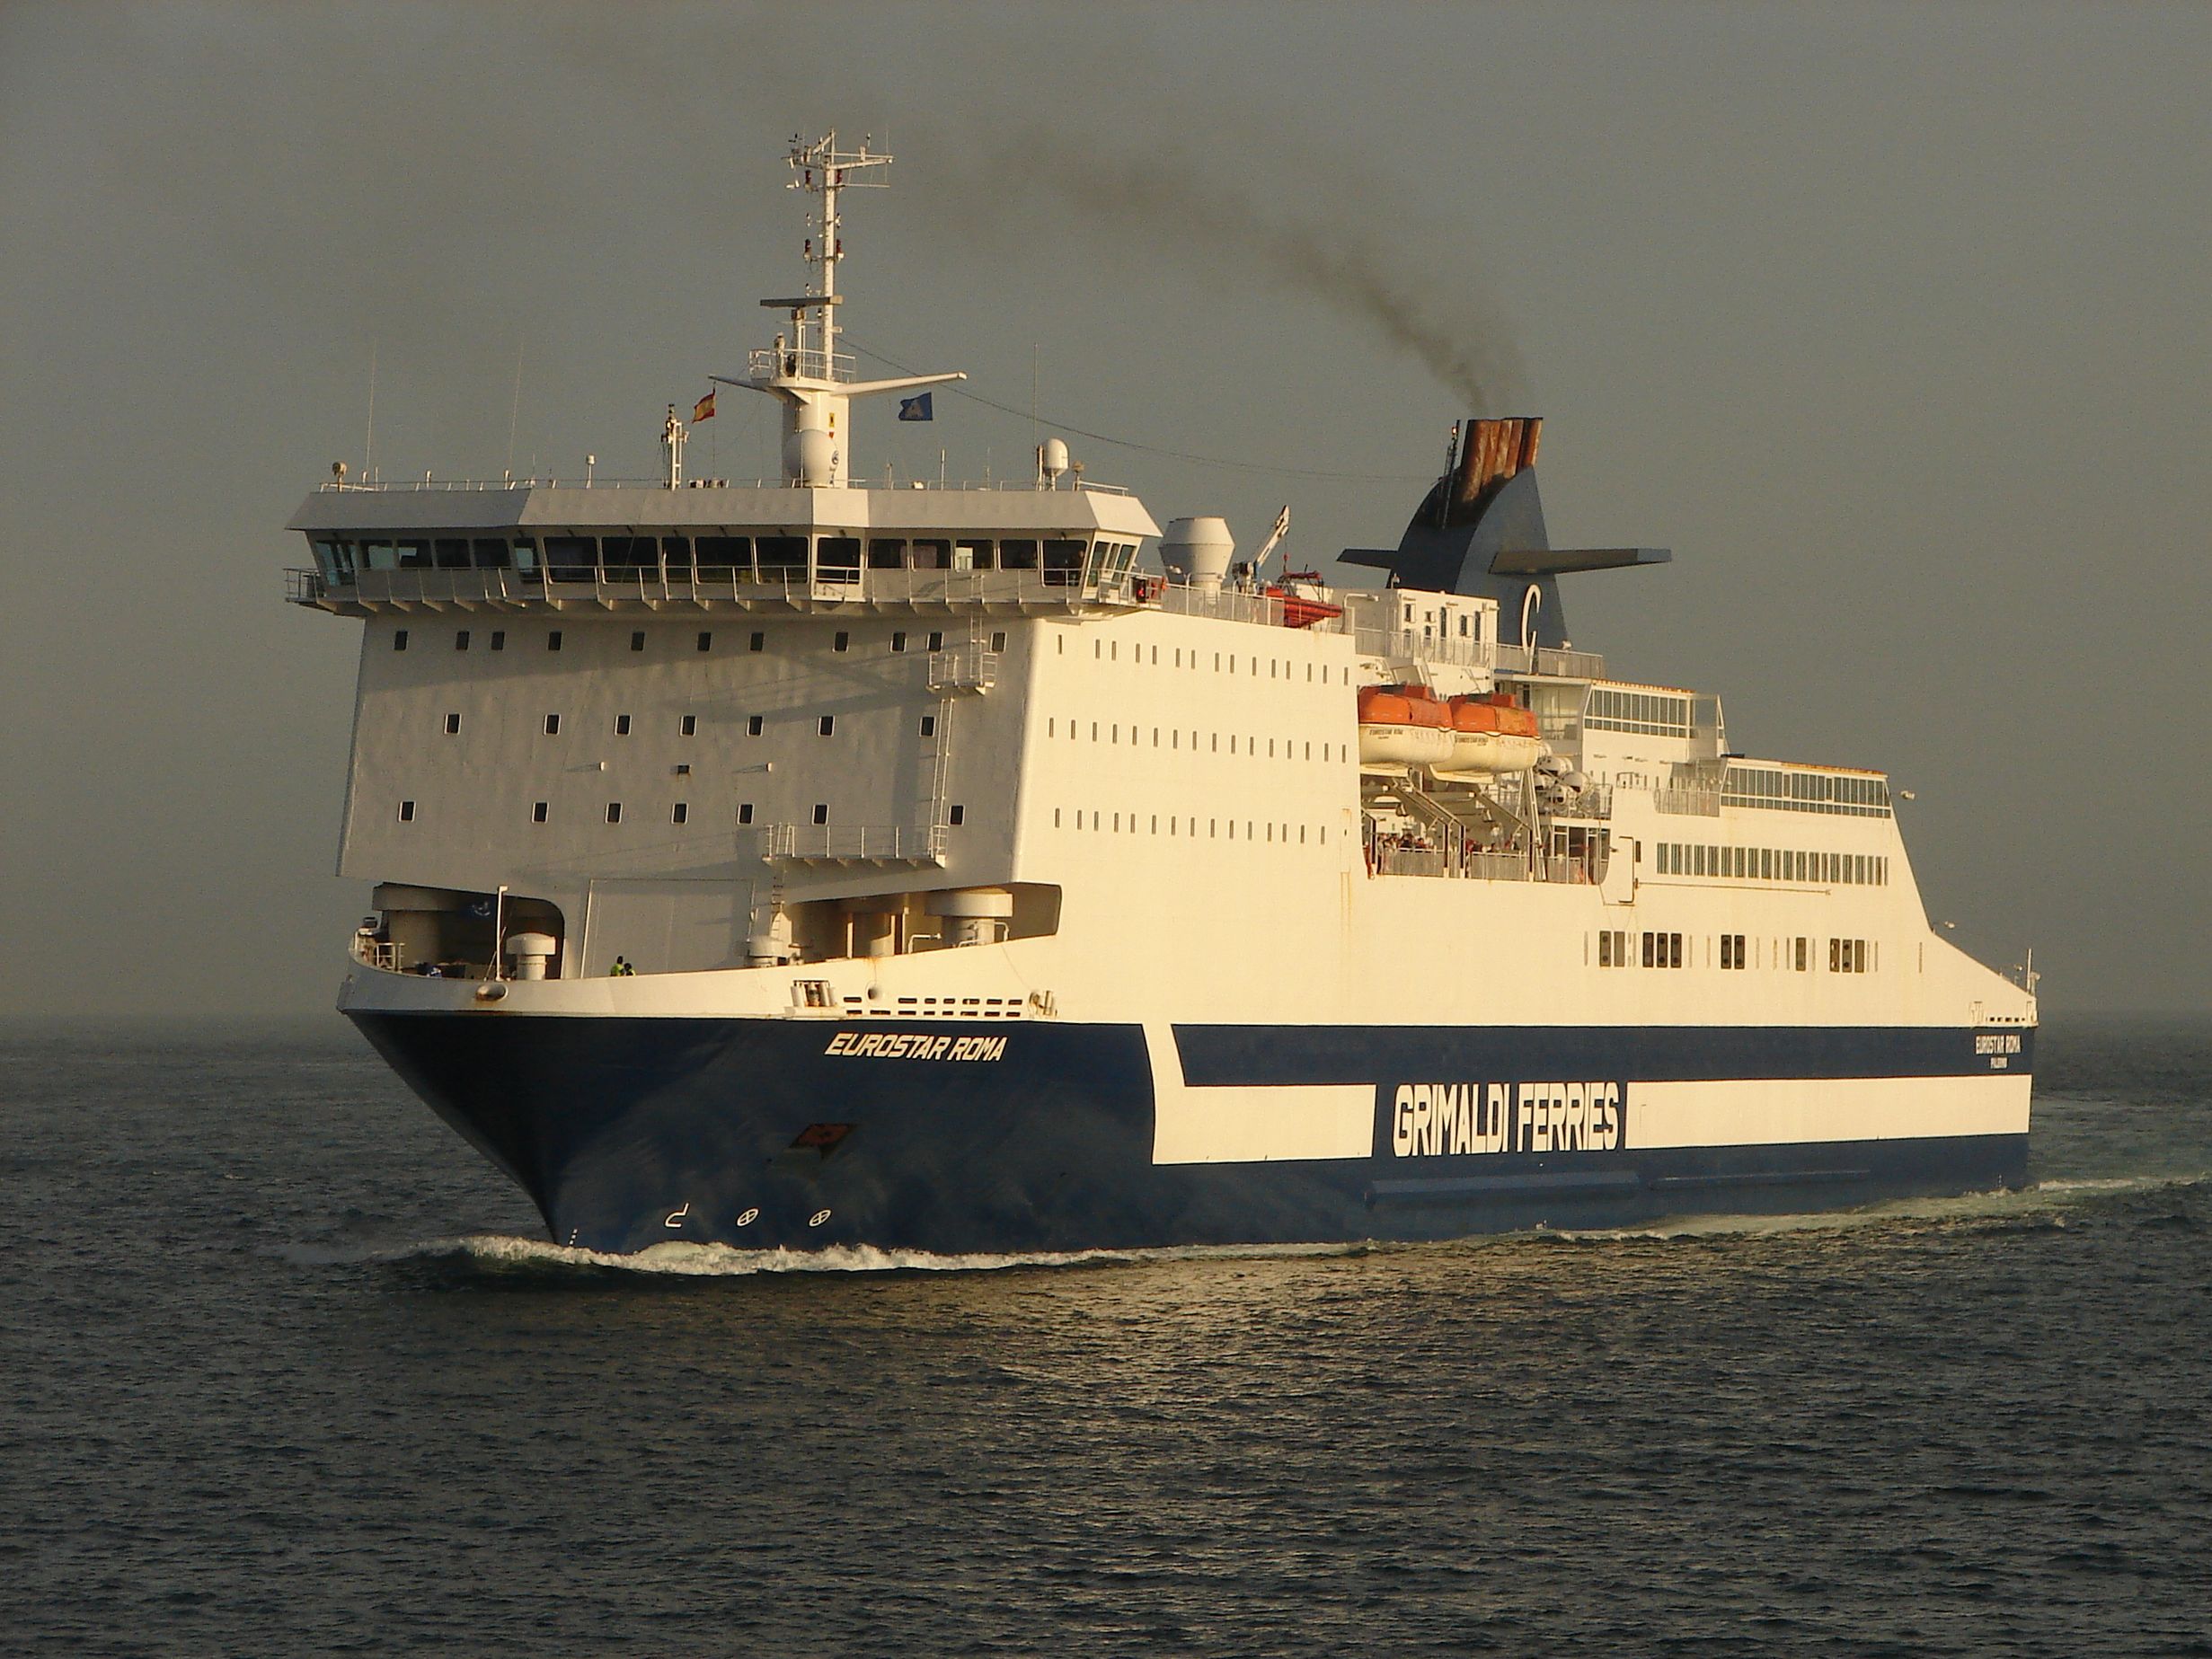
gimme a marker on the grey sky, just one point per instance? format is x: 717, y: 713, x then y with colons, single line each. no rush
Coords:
x: 1892, y: 322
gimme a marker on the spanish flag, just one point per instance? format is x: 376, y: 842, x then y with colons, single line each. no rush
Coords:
x: 704, y: 410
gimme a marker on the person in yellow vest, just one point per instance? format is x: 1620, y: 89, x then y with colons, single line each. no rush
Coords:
x: 621, y: 968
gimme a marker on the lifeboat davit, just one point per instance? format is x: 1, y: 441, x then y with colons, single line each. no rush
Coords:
x: 1404, y: 726
x: 1490, y: 735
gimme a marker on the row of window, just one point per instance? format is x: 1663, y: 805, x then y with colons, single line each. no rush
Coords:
x: 583, y: 558
x: 842, y: 641
x: 756, y: 725
x: 1224, y: 662
x: 1655, y: 714
x: 680, y: 813
x: 1618, y: 948
x: 1133, y: 824
x: 1772, y: 787
x: 1109, y: 731
x: 1845, y: 869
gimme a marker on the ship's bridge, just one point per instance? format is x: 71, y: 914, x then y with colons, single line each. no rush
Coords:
x: 714, y: 546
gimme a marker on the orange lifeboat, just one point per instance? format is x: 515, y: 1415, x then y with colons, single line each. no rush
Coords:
x: 1492, y: 735
x: 1404, y: 726
x: 1302, y: 610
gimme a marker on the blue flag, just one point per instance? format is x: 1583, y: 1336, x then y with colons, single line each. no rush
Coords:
x: 916, y: 409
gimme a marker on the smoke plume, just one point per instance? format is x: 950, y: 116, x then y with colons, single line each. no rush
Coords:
x: 1174, y: 207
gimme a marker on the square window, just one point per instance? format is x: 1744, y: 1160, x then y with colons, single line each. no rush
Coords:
x: 821, y: 813
x: 752, y: 726
x: 826, y: 724
x: 960, y: 815
x: 537, y: 812
x: 759, y: 642
x: 613, y: 812
x: 683, y: 768
x: 453, y: 724
x: 621, y: 726
x: 460, y: 639
x: 707, y: 641
x: 744, y: 812
x: 399, y: 639
x: 637, y: 639
x: 690, y: 726
x: 407, y: 812
x: 499, y: 638
x: 552, y: 726
x: 679, y: 812
x: 552, y: 640
x: 842, y: 643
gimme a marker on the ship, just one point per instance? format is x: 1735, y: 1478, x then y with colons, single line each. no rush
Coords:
x: 833, y: 862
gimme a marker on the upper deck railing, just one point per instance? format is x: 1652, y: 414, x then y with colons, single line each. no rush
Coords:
x: 746, y: 587
x: 411, y: 486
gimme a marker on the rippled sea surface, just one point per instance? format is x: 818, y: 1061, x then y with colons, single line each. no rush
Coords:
x: 285, y: 1369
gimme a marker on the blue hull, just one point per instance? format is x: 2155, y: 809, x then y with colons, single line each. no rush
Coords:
x: 628, y: 1133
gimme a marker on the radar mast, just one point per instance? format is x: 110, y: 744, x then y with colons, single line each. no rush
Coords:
x: 804, y: 371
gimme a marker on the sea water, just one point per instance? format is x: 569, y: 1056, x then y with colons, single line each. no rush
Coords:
x: 286, y: 1368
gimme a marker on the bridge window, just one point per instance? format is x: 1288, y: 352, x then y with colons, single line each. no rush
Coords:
x: 781, y: 555
x: 450, y: 553
x: 570, y: 558
x: 1017, y: 555
x: 969, y: 554
x: 1063, y: 562
x: 886, y: 553
x: 727, y: 556
x: 675, y: 553
x: 837, y: 553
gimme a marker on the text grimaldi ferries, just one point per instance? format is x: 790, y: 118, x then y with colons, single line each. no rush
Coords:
x: 1430, y: 1120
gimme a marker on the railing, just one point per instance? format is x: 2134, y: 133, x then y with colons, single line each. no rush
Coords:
x: 865, y: 843
x: 384, y: 953
x: 1592, y: 800
x: 716, y: 585
x: 1410, y: 644
x: 1694, y: 802
x: 372, y: 486
x: 965, y: 668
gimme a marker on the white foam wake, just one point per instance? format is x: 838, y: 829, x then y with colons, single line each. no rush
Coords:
x: 500, y: 1251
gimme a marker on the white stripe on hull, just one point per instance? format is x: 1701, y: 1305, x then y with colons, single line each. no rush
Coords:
x: 1794, y: 1110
